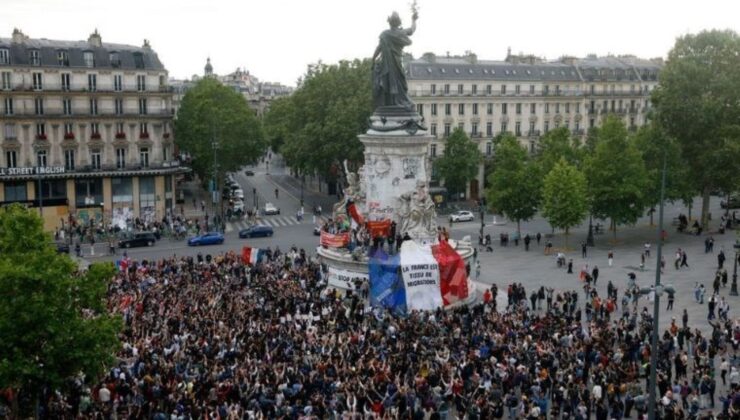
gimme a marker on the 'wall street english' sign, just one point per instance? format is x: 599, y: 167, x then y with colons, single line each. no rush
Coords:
x: 32, y: 170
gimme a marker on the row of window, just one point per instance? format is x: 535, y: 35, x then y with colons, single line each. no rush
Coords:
x: 37, y: 81
x: 10, y: 132
x: 11, y: 158
x: 90, y: 191
x: 9, y: 109
x: 475, y: 131
x: 88, y: 58
x: 548, y: 107
x: 545, y: 89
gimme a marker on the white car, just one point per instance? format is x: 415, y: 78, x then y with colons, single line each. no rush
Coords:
x: 238, y: 205
x: 238, y: 194
x: 462, y: 216
x: 271, y: 209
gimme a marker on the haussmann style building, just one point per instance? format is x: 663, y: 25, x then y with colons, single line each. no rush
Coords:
x: 89, y: 125
x: 526, y: 96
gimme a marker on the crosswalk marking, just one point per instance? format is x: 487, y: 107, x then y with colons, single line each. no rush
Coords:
x: 274, y: 221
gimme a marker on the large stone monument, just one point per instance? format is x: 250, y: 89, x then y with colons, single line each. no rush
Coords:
x: 393, y: 183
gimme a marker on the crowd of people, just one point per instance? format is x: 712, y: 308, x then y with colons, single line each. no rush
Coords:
x: 211, y: 337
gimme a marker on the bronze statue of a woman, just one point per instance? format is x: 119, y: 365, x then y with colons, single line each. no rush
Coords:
x: 389, y: 81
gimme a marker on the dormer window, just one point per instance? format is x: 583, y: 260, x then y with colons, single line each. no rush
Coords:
x: 34, y: 58
x: 4, y: 56
x: 63, y: 58
x: 115, y: 59
x: 89, y: 58
x: 138, y: 60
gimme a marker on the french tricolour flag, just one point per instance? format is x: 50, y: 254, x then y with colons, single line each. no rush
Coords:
x: 251, y: 256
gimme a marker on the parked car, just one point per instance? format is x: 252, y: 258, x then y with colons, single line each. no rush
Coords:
x: 271, y: 209
x: 256, y: 231
x: 138, y: 239
x: 462, y: 216
x: 62, y: 247
x: 238, y: 193
x: 249, y: 172
x: 734, y: 202
x: 210, y: 238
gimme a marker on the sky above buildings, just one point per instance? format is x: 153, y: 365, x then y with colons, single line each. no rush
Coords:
x: 276, y: 39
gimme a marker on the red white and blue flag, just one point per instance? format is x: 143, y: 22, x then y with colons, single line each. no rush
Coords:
x: 251, y: 256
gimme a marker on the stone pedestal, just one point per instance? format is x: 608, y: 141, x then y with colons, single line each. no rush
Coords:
x: 393, y: 185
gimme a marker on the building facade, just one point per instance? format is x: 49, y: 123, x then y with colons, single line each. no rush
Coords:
x: 86, y: 130
x: 258, y: 94
x: 526, y: 96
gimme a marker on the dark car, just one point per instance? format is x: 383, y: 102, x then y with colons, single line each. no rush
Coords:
x: 62, y: 247
x: 734, y: 202
x: 256, y: 231
x: 210, y: 238
x: 249, y: 172
x: 138, y: 239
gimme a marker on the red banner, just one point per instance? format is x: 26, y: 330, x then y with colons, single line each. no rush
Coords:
x: 453, y: 278
x: 356, y: 216
x: 379, y: 228
x: 339, y: 240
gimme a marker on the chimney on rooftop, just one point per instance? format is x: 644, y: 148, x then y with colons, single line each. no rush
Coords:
x: 18, y: 36
x: 95, y: 40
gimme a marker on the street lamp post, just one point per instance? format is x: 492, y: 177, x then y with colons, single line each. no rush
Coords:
x: 656, y: 303
x: 303, y: 181
x: 40, y: 195
x: 482, y: 210
x: 590, y: 237
x: 733, y: 290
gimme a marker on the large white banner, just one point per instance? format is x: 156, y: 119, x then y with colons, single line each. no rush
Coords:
x: 420, y: 272
x: 344, y: 279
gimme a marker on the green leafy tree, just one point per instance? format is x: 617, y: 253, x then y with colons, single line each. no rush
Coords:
x: 319, y: 123
x: 53, y: 321
x: 515, y: 185
x: 459, y: 162
x: 557, y: 144
x: 616, y: 176
x: 654, y: 144
x: 698, y: 104
x: 212, y: 113
x: 564, y: 197
x: 276, y: 122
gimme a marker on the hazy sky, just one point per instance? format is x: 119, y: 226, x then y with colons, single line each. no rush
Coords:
x: 276, y: 39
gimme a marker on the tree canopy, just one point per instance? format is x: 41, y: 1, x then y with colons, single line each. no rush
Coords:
x: 515, y: 185
x: 556, y: 144
x: 317, y: 126
x: 564, y: 197
x: 53, y: 321
x: 459, y: 162
x: 653, y: 143
x: 213, y: 113
x: 698, y: 104
x: 616, y: 175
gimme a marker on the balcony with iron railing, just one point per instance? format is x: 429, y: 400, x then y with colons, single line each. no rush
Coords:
x: 58, y: 113
x: 126, y: 89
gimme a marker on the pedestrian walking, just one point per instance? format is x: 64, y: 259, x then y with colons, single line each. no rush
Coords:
x: 720, y: 259
x: 570, y: 266
x: 685, y: 318
x: 684, y: 259
x: 671, y: 298
x: 610, y: 257
x: 595, y: 274
x: 647, y: 249
x: 539, y: 237
x: 527, y: 240
x: 584, y: 250
x: 677, y: 259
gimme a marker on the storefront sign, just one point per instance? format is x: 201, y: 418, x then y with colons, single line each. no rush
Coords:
x: 33, y: 170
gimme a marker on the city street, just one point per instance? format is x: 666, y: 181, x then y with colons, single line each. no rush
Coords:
x: 505, y: 264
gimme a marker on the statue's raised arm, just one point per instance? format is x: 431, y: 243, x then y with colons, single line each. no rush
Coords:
x: 390, y: 90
